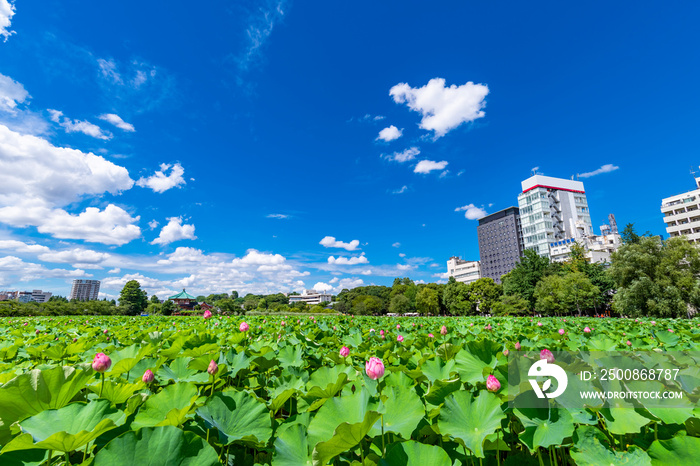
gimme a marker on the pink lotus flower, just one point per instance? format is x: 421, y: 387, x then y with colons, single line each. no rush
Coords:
x: 443, y: 330
x: 586, y: 330
x: 334, y: 328
x: 207, y: 314
x: 374, y: 368
x: 148, y: 376
x: 505, y: 352
x: 546, y: 354
x: 629, y: 343
x: 539, y: 324
x: 653, y: 322
x: 213, y: 367
x: 283, y: 324
x: 517, y: 346
x: 670, y: 330
x: 381, y: 332
x: 399, y: 339
x: 492, y: 383
x: 398, y: 326
x: 344, y: 352
x: 371, y: 330
x: 101, y: 362
x: 562, y: 331
x: 488, y: 327
x: 430, y: 335
x: 244, y: 327
x: 105, y: 331
x: 37, y: 332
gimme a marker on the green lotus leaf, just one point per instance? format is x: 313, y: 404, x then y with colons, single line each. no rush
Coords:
x: 115, y: 392
x: 292, y: 447
x: 179, y: 371
x: 346, y: 409
x: 401, y: 412
x: 469, y: 420
x: 437, y: 369
x: 238, y: 416
x: 592, y: 449
x: 679, y: 450
x: 169, y: 407
x: 412, y: 453
x: 345, y: 437
x: 544, y: 427
x: 157, y: 446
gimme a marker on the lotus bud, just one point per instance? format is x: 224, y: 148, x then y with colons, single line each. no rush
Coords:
x: 443, y: 330
x: 399, y: 338
x: 629, y: 343
x: 430, y: 335
x: 492, y: 384
x: 586, y: 330
x: 539, y: 324
x: 517, y: 346
x: 101, y: 362
x: 213, y: 367
x: 505, y: 352
x: 243, y: 327
x: 344, y: 352
x: 207, y: 314
x: 374, y: 368
x: 546, y: 354
x: 398, y: 326
x: 381, y: 332
x: 562, y: 331
x: 148, y: 376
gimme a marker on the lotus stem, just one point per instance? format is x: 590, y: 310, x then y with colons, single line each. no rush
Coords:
x: 539, y: 456
x: 102, y: 385
x: 498, y: 451
x: 383, y: 447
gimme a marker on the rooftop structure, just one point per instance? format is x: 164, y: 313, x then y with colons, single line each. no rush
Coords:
x: 682, y: 214
x: 463, y: 271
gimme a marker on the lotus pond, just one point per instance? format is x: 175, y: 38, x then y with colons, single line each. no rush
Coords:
x: 302, y: 391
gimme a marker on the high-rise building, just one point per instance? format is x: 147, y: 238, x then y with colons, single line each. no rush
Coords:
x: 463, y: 271
x: 41, y: 296
x: 500, y: 242
x: 552, y: 210
x: 85, y: 290
x: 682, y: 214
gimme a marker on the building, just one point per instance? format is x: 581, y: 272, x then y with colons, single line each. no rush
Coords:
x: 310, y: 297
x: 500, y: 243
x: 552, y: 210
x: 184, y: 300
x: 24, y: 297
x: 84, y: 290
x: 682, y: 214
x: 463, y: 271
x: 597, y: 248
x: 41, y: 296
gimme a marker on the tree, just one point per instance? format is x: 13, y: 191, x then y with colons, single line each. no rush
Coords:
x: 655, y: 278
x: 578, y: 292
x: 427, y: 301
x: 167, y: 308
x: 455, y: 297
x: 523, y: 279
x: 483, y: 293
x: 155, y: 300
x: 548, y: 295
x: 400, y: 304
x: 508, y: 305
x: 132, y: 298
x: 234, y: 294
x: 629, y: 236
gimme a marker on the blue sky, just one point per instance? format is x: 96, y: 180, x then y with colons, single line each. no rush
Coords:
x: 274, y: 146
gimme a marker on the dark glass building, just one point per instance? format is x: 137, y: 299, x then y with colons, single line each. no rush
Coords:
x: 500, y: 242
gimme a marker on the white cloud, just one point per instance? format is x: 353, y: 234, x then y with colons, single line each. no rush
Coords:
x: 260, y: 26
x: 353, y: 260
x: 443, y: 108
x: 160, y: 182
x: 443, y: 275
x: 390, y: 133
x: 78, y: 126
x: 396, y: 245
x: 401, y: 254
x: 334, y: 280
x: 277, y: 216
x: 401, y: 190
x: 20, y: 247
x: 11, y: 92
x: 153, y: 224
x: 426, y: 166
x: 7, y: 11
x: 404, y: 267
x: 114, y: 271
x: 174, y: 231
x: 108, y: 69
x: 403, y: 156
x: 117, y: 121
x: 325, y: 287
x: 14, y: 269
x: 472, y: 212
x: 78, y: 257
x: 607, y: 168
x: 331, y: 242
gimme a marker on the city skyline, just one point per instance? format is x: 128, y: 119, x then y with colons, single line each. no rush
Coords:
x: 280, y: 146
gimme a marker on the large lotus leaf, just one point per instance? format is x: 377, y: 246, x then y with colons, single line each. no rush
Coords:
x: 117, y: 393
x: 291, y: 447
x: 350, y: 409
x: 157, y: 446
x: 201, y: 350
x: 469, y: 420
x: 670, y: 411
x: 437, y: 369
x: 326, y: 382
x: 237, y: 362
x: 545, y: 427
x: 413, y: 453
x: 125, y: 359
x: 601, y: 343
x: 291, y: 356
x: 66, y: 429
x: 238, y: 416
x: 401, y: 412
x: 179, y: 371
x: 140, y: 367
x: 36, y: 391
x: 439, y: 390
x: 591, y: 449
x: 679, y: 450
x: 283, y: 389
x: 471, y: 368
x: 345, y: 437
x: 169, y: 407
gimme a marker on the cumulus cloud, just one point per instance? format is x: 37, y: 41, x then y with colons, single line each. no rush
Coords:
x: 353, y: 260
x: 13, y: 269
x: 7, y: 11
x: 174, y: 231
x: 443, y: 108
x: 403, y: 156
x: 160, y: 182
x: 20, y: 247
x: 78, y: 126
x: 331, y: 242
x: 153, y: 224
x: 324, y: 287
x: 390, y: 133
x: 11, y: 92
x: 471, y: 212
x: 117, y: 121
x: 78, y: 257
x: 607, y: 168
x: 396, y: 245
x: 426, y: 166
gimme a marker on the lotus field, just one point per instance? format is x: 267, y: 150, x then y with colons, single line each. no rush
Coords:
x: 291, y: 391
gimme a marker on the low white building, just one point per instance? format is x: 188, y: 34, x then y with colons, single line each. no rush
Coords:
x: 682, y: 214
x: 598, y: 248
x: 310, y: 297
x: 463, y: 271
x: 41, y: 296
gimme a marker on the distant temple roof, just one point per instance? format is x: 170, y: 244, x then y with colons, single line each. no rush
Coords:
x: 183, y: 295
